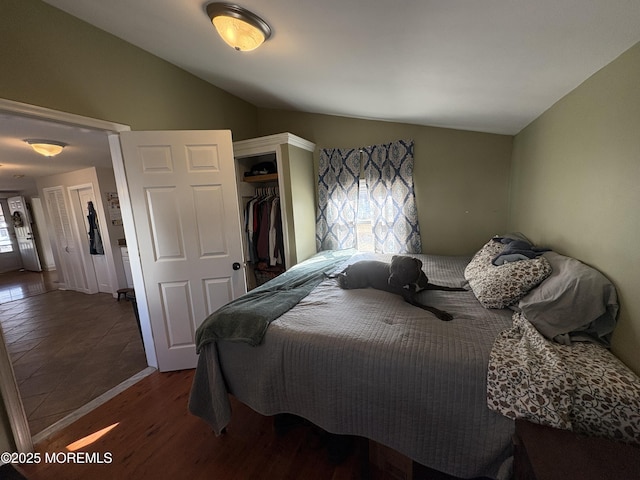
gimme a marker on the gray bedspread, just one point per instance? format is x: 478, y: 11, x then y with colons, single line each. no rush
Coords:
x: 364, y: 362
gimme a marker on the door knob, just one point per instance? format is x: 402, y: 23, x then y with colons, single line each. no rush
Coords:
x: 236, y: 266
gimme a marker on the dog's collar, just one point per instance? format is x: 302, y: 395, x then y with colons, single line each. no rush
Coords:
x: 415, y: 286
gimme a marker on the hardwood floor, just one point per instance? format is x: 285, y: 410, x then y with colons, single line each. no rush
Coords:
x: 153, y: 436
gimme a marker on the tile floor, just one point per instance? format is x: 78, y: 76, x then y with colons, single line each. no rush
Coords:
x: 23, y: 284
x: 67, y: 348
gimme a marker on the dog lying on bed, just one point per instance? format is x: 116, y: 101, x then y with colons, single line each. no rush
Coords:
x: 403, y: 276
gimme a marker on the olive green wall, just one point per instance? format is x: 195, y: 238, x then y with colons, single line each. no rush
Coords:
x: 54, y: 60
x: 461, y: 178
x: 575, y: 185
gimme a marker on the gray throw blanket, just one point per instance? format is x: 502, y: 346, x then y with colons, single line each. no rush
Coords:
x: 516, y: 250
x: 247, y: 318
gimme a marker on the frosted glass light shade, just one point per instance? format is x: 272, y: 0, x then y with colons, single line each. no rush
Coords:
x: 48, y: 148
x: 238, y: 34
x: 239, y: 28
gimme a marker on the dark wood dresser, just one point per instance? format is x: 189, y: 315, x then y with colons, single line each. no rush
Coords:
x: 545, y: 453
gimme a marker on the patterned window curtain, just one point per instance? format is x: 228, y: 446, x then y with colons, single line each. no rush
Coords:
x: 338, y: 177
x: 389, y: 174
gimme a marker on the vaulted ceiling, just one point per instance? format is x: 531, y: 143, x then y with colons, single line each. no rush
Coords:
x: 484, y: 65
x: 489, y: 66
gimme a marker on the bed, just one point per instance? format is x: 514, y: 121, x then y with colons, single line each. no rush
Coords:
x: 366, y: 363
x: 529, y: 340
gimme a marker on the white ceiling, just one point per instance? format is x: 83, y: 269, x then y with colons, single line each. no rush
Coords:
x: 482, y: 65
x: 20, y: 165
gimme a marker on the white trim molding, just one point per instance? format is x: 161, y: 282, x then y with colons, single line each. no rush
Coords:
x: 26, y: 110
x: 12, y: 401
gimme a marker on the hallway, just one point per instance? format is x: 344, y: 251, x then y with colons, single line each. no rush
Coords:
x: 67, y: 348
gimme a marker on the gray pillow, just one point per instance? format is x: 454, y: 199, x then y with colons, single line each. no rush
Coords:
x: 576, y: 302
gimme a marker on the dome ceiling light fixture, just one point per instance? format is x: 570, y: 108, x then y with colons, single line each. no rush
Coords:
x: 238, y: 27
x: 48, y: 148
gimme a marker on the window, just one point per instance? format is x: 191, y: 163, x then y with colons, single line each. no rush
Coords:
x: 364, y: 232
x: 385, y: 219
x: 6, y: 245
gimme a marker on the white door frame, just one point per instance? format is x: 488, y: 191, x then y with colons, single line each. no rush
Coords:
x: 132, y: 247
x: 12, y: 401
x: 8, y: 386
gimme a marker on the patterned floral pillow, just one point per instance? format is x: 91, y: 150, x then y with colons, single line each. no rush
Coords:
x: 503, y: 285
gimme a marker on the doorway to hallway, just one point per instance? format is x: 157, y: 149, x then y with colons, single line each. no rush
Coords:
x: 67, y: 348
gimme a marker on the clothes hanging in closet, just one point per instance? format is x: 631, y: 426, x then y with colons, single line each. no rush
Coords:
x: 263, y: 226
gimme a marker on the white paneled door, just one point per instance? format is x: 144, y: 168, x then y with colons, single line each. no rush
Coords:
x: 184, y: 199
x: 80, y: 198
x: 68, y: 253
x: 24, y: 233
